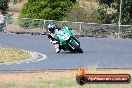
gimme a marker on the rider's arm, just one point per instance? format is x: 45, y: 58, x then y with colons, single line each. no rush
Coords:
x: 49, y: 36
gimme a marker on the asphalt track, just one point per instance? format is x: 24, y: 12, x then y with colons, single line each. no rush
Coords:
x: 98, y: 52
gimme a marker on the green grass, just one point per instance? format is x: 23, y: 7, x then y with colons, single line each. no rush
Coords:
x: 60, y: 83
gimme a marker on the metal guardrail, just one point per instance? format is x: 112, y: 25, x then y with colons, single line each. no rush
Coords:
x: 28, y: 25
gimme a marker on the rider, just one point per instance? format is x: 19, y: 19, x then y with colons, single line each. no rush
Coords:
x: 53, y: 30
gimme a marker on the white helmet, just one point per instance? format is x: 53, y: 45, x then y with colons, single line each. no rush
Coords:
x: 51, y: 27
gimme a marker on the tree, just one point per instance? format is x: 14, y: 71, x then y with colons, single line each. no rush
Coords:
x: 46, y: 9
x: 108, y: 11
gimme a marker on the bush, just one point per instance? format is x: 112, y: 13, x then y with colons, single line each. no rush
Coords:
x: 46, y: 9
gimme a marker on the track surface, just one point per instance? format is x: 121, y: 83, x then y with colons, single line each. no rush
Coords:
x: 98, y: 52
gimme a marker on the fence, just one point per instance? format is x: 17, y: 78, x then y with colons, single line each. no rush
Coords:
x: 28, y: 25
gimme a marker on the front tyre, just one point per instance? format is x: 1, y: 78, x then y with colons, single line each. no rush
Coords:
x: 76, y: 47
x: 80, y: 50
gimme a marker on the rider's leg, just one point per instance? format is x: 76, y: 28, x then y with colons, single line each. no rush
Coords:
x: 56, y: 45
x: 57, y: 48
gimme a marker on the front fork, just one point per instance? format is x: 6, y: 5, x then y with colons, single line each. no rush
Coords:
x: 72, y: 43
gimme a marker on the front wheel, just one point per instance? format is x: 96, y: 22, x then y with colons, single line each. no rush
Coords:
x: 76, y: 47
x: 80, y: 50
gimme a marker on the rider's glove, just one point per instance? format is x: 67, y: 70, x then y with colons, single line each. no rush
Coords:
x: 49, y: 36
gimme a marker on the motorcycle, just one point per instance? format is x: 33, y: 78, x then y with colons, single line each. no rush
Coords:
x: 68, y: 40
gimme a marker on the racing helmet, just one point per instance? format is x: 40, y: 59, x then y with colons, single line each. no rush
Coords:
x: 51, y: 27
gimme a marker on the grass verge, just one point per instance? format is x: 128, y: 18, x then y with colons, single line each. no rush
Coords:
x: 64, y: 79
x: 62, y: 83
x: 12, y: 54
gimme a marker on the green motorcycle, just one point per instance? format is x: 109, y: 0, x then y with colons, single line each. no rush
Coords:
x: 68, y: 40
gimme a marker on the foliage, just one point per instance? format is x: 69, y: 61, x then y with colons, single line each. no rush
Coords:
x: 80, y: 14
x: 25, y: 23
x: 108, y: 12
x: 102, y: 16
x: 46, y: 9
x: 4, y: 6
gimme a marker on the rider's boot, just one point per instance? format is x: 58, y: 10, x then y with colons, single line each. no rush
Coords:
x: 57, y: 50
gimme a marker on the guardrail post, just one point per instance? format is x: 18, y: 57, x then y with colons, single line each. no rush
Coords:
x: 44, y: 26
x: 80, y: 28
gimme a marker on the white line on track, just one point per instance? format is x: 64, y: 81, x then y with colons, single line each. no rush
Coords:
x: 43, y: 57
